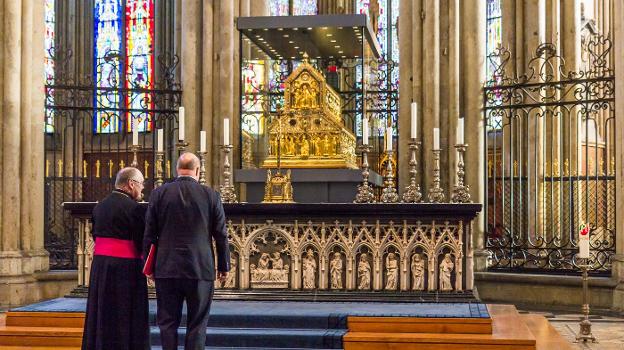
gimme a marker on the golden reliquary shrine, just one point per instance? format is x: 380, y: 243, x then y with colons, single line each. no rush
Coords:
x: 309, y: 131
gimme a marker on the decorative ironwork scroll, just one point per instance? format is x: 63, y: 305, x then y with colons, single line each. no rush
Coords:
x: 550, y: 149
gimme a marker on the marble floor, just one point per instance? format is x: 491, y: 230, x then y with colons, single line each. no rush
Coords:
x: 608, y: 330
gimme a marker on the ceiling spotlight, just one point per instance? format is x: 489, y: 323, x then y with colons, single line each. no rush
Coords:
x: 296, y: 47
x: 266, y: 29
x: 309, y: 28
x: 257, y: 36
x: 332, y: 41
x: 285, y: 35
x: 344, y: 56
x: 339, y: 27
x: 324, y: 28
x: 280, y: 29
x: 291, y: 42
x: 336, y: 46
x: 295, y: 28
x: 329, y: 34
x: 340, y: 52
x: 292, y: 57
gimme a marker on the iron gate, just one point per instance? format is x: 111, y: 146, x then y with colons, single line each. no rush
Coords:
x: 550, y: 154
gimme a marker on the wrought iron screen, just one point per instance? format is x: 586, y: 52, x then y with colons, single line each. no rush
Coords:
x: 80, y: 163
x: 550, y: 159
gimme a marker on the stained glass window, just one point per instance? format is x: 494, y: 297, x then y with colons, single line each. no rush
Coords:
x: 124, y: 35
x: 304, y: 7
x: 140, y: 60
x: 50, y: 21
x: 387, y: 76
x: 494, y: 31
x: 299, y: 7
x: 107, y: 69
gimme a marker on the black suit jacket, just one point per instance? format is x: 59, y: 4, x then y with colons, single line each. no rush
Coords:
x: 121, y: 217
x: 183, y: 218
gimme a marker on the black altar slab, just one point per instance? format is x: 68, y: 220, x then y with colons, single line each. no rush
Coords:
x: 309, y: 185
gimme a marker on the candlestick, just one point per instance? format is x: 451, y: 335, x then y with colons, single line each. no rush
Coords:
x: 365, y: 192
x: 135, y: 131
x: 414, y: 120
x: 459, y: 136
x: 436, y: 138
x: 181, y: 123
x: 202, y: 141
x: 160, y: 155
x: 202, y: 166
x: 436, y: 194
x: 160, y: 143
x: 226, y: 131
x: 412, y: 192
x: 585, y: 332
x: 460, y: 191
x: 365, y: 128
x: 181, y: 146
x: 389, y: 193
x: 228, y: 195
x: 135, y: 161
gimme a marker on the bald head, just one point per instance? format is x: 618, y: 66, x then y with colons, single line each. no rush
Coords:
x: 188, y: 165
x: 125, y: 175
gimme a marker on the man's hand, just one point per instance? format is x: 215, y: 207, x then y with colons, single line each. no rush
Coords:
x: 222, y: 276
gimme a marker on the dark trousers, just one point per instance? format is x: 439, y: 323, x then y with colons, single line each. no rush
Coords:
x: 170, y: 295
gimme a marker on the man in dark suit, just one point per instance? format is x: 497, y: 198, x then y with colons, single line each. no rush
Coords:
x: 183, y: 218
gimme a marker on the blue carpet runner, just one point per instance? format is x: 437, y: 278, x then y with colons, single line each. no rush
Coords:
x: 254, y: 325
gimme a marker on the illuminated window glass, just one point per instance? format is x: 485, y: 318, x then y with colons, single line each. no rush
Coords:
x: 124, y: 35
x: 278, y: 7
x: 494, y: 32
x: 140, y: 60
x: 299, y: 7
x: 304, y: 7
x: 50, y: 20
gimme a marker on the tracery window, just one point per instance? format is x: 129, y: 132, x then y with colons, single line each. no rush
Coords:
x: 292, y: 7
x: 49, y: 40
x: 494, y: 32
x: 123, y: 58
x: 387, y: 76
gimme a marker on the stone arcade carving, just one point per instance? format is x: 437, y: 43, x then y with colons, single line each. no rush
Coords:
x: 418, y: 272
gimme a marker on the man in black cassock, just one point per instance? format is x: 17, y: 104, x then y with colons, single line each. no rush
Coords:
x: 117, y: 308
x: 183, y: 218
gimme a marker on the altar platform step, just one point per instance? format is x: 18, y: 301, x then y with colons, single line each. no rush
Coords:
x: 244, y: 325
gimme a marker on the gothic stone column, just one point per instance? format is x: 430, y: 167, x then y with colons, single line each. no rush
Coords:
x: 21, y: 147
x: 473, y: 75
x: 618, y: 259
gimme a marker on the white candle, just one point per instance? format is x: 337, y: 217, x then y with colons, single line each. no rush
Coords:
x: 226, y: 131
x: 388, y: 139
x: 365, y: 131
x: 459, y: 136
x: 414, y: 120
x: 135, y: 131
x: 160, y: 140
x: 202, y: 141
x: 181, y: 123
x: 436, y: 138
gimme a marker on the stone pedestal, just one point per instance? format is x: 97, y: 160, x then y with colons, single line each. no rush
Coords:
x: 309, y: 185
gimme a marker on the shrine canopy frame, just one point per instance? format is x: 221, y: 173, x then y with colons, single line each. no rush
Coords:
x: 320, y: 36
x: 342, y: 47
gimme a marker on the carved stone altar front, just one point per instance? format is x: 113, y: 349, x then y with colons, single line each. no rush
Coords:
x: 338, y: 247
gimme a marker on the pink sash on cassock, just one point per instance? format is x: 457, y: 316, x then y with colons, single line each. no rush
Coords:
x: 118, y: 248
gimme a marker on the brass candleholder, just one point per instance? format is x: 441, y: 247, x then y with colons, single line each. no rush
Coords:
x: 412, y: 192
x: 389, y: 193
x: 436, y: 193
x: 135, y: 160
x: 365, y: 192
x: 228, y: 195
x: 461, y: 190
x: 160, y: 158
x: 202, y: 168
x: 181, y: 146
x: 585, y: 332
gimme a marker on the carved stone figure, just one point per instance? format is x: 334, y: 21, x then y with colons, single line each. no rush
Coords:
x: 277, y: 272
x: 230, y: 282
x: 446, y: 267
x: 364, y: 271
x: 335, y: 268
x: 392, y: 271
x: 261, y: 272
x: 309, y: 270
x: 418, y: 272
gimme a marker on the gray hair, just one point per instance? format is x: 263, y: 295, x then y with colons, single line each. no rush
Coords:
x: 125, y: 175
